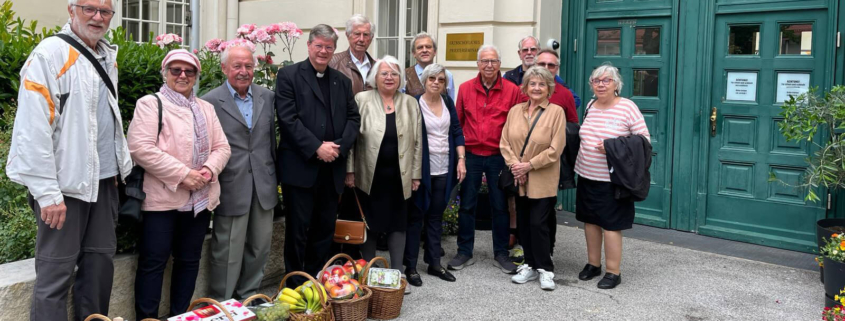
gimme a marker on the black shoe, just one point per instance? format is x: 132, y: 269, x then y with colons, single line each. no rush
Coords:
x: 413, y: 277
x: 609, y: 281
x: 441, y: 273
x: 589, y: 272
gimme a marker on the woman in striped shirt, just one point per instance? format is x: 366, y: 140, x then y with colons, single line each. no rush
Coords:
x: 608, y: 116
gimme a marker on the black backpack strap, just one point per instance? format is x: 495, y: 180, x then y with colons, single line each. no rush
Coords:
x: 531, y: 130
x: 587, y: 110
x: 84, y: 51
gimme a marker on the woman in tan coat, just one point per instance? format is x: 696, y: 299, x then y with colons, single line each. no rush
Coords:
x: 386, y: 163
x: 536, y: 171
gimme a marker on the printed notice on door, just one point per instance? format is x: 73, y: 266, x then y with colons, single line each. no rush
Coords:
x: 792, y: 84
x: 742, y: 86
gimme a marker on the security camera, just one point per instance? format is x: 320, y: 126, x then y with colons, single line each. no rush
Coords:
x: 553, y: 44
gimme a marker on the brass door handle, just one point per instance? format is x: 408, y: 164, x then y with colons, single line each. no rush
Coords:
x: 713, y: 113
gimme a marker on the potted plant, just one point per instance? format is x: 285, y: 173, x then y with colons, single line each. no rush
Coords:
x: 803, y: 117
x: 833, y: 256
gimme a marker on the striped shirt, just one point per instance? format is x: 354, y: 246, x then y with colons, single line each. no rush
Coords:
x: 623, y: 119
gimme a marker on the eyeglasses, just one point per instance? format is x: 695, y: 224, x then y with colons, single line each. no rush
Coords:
x: 384, y: 74
x: 606, y: 81
x: 485, y: 62
x: 547, y: 65
x: 321, y: 47
x: 176, y: 72
x: 529, y: 49
x: 441, y: 80
x: 92, y: 11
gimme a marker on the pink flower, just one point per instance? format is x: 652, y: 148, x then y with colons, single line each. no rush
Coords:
x: 260, y: 35
x: 246, y: 29
x: 287, y: 27
x: 196, y: 51
x: 238, y: 42
x: 269, y: 60
x: 163, y: 40
x: 273, y: 29
x: 296, y: 33
x: 260, y: 58
x: 213, y: 45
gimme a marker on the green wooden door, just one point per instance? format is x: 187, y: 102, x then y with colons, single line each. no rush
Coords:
x: 757, y: 60
x: 641, y: 49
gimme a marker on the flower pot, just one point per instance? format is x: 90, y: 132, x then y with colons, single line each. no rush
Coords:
x: 824, y: 229
x: 834, y: 277
x: 829, y: 302
x: 483, y: 217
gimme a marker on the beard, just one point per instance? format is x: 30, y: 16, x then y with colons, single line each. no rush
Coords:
x: 83, y: 32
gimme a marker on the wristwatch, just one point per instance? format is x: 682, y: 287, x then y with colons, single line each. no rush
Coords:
x: 462, y: 157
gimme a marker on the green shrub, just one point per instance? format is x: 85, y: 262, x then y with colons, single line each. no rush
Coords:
x: 17, y: 234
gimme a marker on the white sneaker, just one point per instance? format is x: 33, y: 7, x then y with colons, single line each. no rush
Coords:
x: 547, y: 280
x: 524, y: 273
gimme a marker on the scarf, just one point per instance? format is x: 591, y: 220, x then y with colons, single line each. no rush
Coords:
x: 199, y: 198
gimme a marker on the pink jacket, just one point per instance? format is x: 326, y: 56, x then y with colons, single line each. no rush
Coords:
x: 166, y: 162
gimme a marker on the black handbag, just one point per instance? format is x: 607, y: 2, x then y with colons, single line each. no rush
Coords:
x: 507, y: 182
x: 133, y: 194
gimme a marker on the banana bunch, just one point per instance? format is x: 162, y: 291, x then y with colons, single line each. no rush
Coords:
x: 302, y: 300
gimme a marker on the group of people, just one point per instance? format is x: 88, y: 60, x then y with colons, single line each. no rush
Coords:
x: 396, y: 141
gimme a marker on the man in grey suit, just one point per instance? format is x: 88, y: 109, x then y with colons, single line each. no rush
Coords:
x: 243, y: 223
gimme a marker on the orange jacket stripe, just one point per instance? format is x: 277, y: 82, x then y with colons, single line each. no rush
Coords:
x: 39, y: 88
x: 71, y: 59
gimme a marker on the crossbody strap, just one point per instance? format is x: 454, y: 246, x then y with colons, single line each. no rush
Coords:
x: 531, y: 130
x: 84, y: 51
x: 159, y: 116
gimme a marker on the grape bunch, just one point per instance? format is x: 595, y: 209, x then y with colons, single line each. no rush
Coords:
x: 272, y: 312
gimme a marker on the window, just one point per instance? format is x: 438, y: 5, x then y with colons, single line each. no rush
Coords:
x: 142, y: 17
x: 396, y: 31
x: 608, y: 42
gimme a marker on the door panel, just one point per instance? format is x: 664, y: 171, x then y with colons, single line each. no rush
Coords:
x: 751, y: 51
x: 641, y: 49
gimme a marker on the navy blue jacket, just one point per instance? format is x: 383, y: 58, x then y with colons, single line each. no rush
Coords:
x: 422, y: 196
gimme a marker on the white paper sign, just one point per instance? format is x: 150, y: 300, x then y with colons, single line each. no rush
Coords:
x: 742, y: 86
x: 790, y: 84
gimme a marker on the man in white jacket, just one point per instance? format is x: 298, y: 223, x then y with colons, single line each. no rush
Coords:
x: 69, y: 150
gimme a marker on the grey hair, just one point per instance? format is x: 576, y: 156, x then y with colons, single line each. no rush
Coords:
x: 323, y: 31
x: 526, y: 38
x: 73, y: 2
x: 538, y: 72
x: 391, y: 62
x: 432, y: 70
x: 359, y: 20
x: 489, y: 47
x: 552, y: 52
x: 609, y: 69
x: 224, y: 57
x: 420, y: 36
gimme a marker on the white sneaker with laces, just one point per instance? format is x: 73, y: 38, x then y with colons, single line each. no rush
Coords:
x: 547, y: 280
x: 524, y: 273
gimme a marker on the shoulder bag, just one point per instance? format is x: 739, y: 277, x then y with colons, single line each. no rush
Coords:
x: 507, y: 182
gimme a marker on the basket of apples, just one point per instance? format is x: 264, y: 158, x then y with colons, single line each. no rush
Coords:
x: 349, y: 299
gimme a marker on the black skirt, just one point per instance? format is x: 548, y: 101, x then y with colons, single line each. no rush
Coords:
x: 595, y: 204
x: 385, y: 207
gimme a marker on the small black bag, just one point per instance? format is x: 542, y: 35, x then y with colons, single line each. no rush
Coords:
x: 130, y: 206
x: 506, y: 180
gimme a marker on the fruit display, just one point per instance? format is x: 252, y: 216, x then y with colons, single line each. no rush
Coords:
x: 277, y: 311
x: 304, y: 299
x: 341, y: 282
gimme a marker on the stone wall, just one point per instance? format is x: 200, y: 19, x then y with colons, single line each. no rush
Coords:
x: 17, y: 279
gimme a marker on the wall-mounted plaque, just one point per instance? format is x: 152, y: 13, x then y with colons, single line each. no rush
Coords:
x: 463, y: 46
x: 742, y: 86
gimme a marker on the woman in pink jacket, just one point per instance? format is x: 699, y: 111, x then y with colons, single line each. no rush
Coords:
x: 182, y: 163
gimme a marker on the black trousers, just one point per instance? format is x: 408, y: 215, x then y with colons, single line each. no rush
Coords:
x: 533, y: 217
x: 432, y: 219
x: 165, y: 233
x: 309, y: 225
x: 87, y: 241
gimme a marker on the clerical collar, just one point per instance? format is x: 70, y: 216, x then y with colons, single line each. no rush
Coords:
x: 320, y: 74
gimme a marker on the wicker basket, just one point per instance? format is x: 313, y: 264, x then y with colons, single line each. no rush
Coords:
x: 255, y: 297
x: 213, y: 302
x: 324, y: 315
x: 105, y: 318
x: 351, y: 309
x: 385, y: 304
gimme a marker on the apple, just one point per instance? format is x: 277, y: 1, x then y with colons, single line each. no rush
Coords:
x: 344, y: 279
x: 338, y: 271
x: 325, y: 276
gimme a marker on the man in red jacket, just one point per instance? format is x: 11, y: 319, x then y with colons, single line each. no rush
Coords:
x: 482, y: 107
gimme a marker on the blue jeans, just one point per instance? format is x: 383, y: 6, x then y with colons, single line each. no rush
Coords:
x: 476, y: 166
